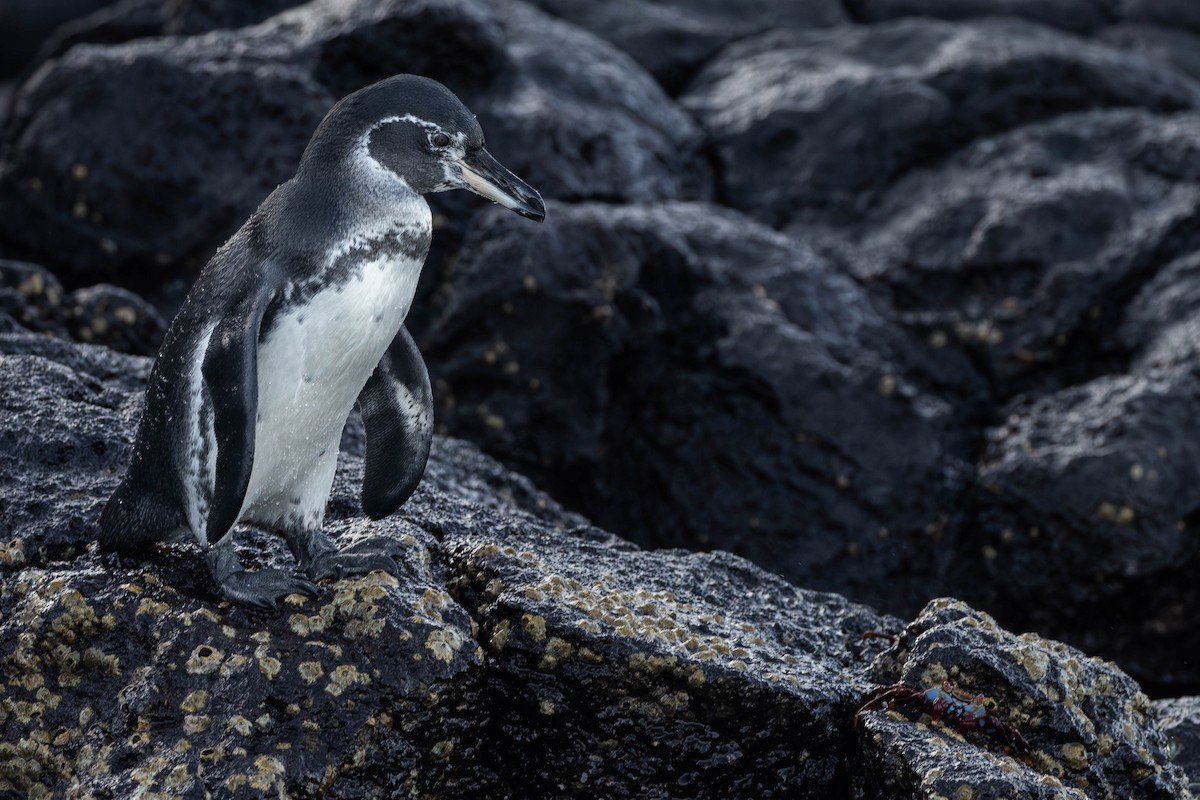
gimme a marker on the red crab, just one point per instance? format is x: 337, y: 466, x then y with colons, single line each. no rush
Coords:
x: 963, y: 712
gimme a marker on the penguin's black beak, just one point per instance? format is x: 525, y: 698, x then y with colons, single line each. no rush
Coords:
x: 485, y: 176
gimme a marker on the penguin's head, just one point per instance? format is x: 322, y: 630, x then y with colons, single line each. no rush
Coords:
x: 416, y: 128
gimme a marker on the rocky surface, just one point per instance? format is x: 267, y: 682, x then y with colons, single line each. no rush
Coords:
x: 683, y: 348
x: 450, y: 677
x: 851, y: 109
x: 523, y: 652
x: 83, y: 171
x: 31, y: 298
x: 1025, y: 248
x: 672, y: 39
x: 1081, y: 16
x: 1179, y: 720
x: 1168, y: 43
x: 1098, y: 483
x: 960, y: 364
x: 1072, y: 710
x: 23, y: 27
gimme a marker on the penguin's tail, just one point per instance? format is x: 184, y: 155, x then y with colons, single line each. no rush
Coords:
x: 133, y: 520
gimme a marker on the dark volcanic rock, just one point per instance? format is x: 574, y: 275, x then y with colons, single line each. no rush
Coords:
x: 120, y: 682
x: 1177, y: 47
x: 1088, y: 511
x: 1161, y: 325
x: 689, y: 691
x: 850, y: 109
x: 24, y: 25
x: 1024, y: 248
x: 33, y: 299
x: 1090, y: 729
x: 128, y: 676
x: 523, y: 653
x: 114, y: 317
x: 1171, y: 13
x: 138, y: 159
x: 1083, y: 16
x: 59, y: 449
x: 687, y: 377
x: 111, y: 190
x: 139, y: 19
x: 30, y: 298
x: 1179, y: 720
x: 672, y: 39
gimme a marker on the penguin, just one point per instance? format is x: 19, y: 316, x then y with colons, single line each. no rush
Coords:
x: 298, y: 316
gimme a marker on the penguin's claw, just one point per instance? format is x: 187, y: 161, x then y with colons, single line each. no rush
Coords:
x: 380, y: 553
x: 262, y: 589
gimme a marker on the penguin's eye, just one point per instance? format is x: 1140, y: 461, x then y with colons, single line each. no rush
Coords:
x: 439, y: 139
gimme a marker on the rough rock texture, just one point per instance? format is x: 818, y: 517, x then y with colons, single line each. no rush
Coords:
x: 1087, y: 511
x: 672, y: 38
x: 1024, y: 248
x: 852, y: 108
x: 1160, y: 325
x: 127, y: 20
x: 1167, y: 43
x: 23, y: 27
x: 1073, y: 711
x: 981, y: 383
x: 33, y: 299
x: 83, y: 170
x: 524, y: 653
x: 1082, y: 16
x: 382, y: 683
x: 587, y: 650
x: 122, y: 682
x: 1179, y: 720
x: 630, y: 674
x: 695, y: 379
x: 112, y: 192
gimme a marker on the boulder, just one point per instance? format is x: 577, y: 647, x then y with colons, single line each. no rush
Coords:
x: 851, y: 109
x: 521, y: 653
x: 688, y: 378
x: 1166, y: 43
x: 622, y: 673
x: 31, y: 298
x: 522, y: 649
x: 1087, y: 503
x: 1179, y: 720
x: 673, y: 39
x: 1087, y: 511
x: 24, y: 26
x: 1079, y: 16
x: 1169, y: 13
x: 1091, y: 731
x: 97, y: 189
x: 134, y: 161
x: 1160, y: 324
x: 1024, y: 248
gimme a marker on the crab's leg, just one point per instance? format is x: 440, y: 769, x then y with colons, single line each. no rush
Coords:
x: 884, y: 696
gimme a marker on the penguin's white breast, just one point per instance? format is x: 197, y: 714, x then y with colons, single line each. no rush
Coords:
x: 312, y: 364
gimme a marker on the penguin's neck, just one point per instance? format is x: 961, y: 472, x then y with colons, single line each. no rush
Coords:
x: 356, y: 204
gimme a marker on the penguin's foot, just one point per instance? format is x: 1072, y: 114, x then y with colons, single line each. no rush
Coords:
x: 263, y: 588
x: 368, y: 555
x: 260, y: 589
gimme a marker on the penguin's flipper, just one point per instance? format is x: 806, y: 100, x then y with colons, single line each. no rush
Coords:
x: 231, y: 374
x: 397, y: 412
